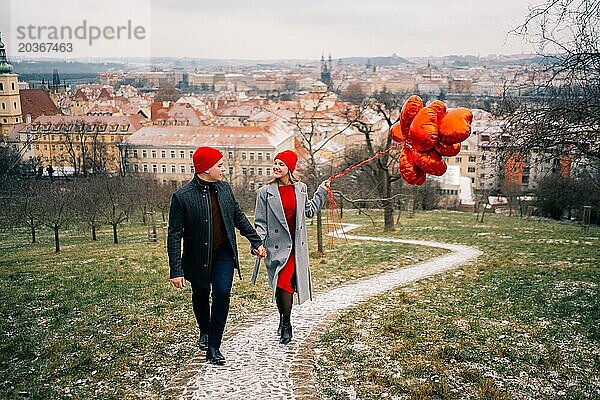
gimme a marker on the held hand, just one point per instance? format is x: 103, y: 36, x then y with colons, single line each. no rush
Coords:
x: 179, y: 283
x: 262, y: 252
x: 326, y: 183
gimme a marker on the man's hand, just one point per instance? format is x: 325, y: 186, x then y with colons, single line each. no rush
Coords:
x: 179, y: 283
x: 261, y: 252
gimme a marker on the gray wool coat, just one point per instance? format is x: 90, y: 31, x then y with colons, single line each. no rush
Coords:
x: 271, y: 226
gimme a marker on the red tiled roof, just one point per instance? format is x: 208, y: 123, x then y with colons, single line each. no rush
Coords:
x: 315, y: 96
x: 179, y: 112
x: 37, y: 102
x: 13, y: 136
x: 104, y: 95
x: 100, y: 109
x: 265, y: 136
x: 242, y: 110
x: 79, y: 95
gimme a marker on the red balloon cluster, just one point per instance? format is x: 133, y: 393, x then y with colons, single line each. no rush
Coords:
x: 428, y: 133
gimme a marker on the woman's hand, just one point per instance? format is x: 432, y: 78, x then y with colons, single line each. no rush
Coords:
x: 261, y: 252
x: 326, y: 183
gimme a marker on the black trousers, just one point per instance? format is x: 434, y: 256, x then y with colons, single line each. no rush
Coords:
x: 211, y: 319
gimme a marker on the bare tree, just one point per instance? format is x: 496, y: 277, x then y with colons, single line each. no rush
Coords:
x: 26, y: 206
x: 144, y: 187
x: 151, y: 195
x: 362, y: 187
x: 482, y: 203
x: 512, y: 191
x: 88, y: 202
x: 163, y: 200
x: 99, y: 154
x: 384, y: 169
x: 54, y: 206
x: 560, y: 112
x: 426, y: 196
x: 19, y: 205
x: 117, y: 201
x: 77, y: 145
x: 87, y: 152
x: 354, y: 93
x: 11, y: 158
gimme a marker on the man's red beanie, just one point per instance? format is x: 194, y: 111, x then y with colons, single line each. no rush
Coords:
x: 205, y: 157
x: 289, y: 158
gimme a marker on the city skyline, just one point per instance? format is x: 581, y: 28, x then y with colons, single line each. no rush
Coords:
x: 270, y: 30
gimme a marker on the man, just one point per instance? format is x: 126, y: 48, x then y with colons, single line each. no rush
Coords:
x: 205, y: 214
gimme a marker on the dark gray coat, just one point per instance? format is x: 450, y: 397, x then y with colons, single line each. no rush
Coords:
x: 271, y: 225
x: 190, y: 219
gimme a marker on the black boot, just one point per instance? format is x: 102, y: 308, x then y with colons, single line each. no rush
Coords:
x: 214, y: 356
x: 279, y: 302
x: 203, y: 341
x: 286, y: 332
x: 280, y: 324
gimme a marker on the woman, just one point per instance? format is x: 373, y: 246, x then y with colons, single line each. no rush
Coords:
x: 281, y: 206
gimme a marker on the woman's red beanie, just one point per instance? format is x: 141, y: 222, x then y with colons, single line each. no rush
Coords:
x: 289, y: 158
x: 205, y: 157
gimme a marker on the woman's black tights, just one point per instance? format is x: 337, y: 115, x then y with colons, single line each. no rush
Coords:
x: 284, y: 304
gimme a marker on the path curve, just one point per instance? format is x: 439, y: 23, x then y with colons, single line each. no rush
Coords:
x: 258, y: 367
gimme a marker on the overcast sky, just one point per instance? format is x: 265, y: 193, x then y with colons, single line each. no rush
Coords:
x: 276, y: 29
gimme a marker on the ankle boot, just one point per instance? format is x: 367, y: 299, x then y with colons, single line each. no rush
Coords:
x: 286, y: 332
x: 214, y: 356
x: 203, y: 341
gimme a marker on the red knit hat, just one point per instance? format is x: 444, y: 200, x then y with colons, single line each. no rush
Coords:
x: 205, y: 157
x: 289, y: 158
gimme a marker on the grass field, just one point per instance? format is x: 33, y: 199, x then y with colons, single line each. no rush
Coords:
x: 522, y: 322
x: 99, y: 320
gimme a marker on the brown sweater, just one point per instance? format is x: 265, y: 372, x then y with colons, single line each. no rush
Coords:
x: 218, y: 227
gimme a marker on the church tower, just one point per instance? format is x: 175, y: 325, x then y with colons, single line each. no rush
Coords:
x: 10, y: 101
x: 326, y: 72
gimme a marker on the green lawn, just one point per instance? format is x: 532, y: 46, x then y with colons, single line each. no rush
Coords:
x: 522, y: 322
x: 99, y: 320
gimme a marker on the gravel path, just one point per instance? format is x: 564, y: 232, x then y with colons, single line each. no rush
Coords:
x: 258, y: 367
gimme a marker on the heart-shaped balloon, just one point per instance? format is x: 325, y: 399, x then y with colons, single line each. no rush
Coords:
x: 411, y: 107
x: 430, y: 162
x: 456, y: 125
x: 423, y: 134
x: 447, y: 150
x: 408, y: 169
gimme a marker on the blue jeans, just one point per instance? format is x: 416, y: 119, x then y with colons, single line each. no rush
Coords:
x: 211, y: 319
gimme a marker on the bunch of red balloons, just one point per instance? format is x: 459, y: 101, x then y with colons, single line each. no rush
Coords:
x: 429, y: 133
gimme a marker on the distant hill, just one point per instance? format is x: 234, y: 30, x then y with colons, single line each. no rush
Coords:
x: 497, y: 60
x: 63, y: 67
x: 382, y: 61
x: 530, y: 60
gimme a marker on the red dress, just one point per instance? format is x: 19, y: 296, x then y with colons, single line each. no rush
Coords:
x: 288, y: 200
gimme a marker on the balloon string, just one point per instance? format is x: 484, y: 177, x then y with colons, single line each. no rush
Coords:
x: 334, y: 219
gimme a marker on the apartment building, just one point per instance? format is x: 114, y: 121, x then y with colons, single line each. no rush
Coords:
x: 70, y: 145
x: 166, y: 151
